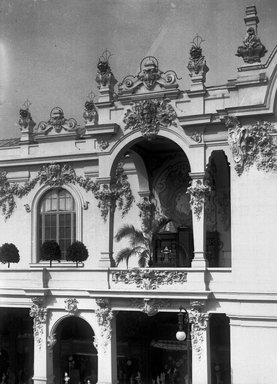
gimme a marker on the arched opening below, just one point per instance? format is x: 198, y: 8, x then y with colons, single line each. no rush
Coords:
x: 74, y: 352
x: 147, y: 349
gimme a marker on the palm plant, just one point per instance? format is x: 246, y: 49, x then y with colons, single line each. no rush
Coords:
x: 141, y: 242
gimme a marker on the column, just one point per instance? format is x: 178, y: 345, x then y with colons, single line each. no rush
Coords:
x: 39, y: 314
x: 106, y: 343
x: 105, y: 225
x: 199, y: 192
x: 200, y: 346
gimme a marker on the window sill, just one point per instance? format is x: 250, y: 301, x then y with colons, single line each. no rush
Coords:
x: 55, y: 264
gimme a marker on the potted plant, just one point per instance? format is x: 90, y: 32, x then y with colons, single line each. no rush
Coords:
x: 50, y: 250
x: 77, y: 252
x: 9, y: 254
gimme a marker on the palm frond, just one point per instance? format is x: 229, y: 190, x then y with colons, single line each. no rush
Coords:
x: 130, y: 231
x: 124, y: 255
x: 143, y: 258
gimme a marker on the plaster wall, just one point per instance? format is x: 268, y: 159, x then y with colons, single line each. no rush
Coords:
x: 254, y: 216
x: 254, y: 351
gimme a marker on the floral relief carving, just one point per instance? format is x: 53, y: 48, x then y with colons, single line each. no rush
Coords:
x: 199, y: 322
x: 56, y: 123
x: 254, y: 144
x: 199, y: 194
x: 71, y: 305
x: 39, y: 315
x: 149, y: 116
x: 148, y: 279
x: 104, y: 316
x: 150, y: 306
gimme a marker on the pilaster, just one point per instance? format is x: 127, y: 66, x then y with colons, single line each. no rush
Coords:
x: 200, y: 345
x: 105, y: 342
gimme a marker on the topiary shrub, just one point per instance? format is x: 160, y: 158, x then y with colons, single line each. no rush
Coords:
x: 77, y: 252
x: 50, y: 250
x: 9, y: 254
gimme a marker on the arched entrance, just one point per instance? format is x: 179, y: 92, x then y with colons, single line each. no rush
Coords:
x: 74, y: 352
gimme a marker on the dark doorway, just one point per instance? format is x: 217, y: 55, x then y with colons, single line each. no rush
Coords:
x: 74, y: 352
x: 220, y: 349
x: 147, y: 349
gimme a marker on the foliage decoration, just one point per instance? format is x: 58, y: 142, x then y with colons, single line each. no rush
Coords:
x: 118, y: 194
x: 149, y: 116
x: 77, y: 252
x: 50, y: 250
x: 254, y: 144
x: 9, y: 254
x: 199, y: 194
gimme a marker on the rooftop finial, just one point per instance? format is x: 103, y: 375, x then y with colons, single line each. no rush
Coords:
x: 252, y: 49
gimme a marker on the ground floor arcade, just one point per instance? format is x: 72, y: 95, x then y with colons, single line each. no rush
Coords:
x: 105, y: 346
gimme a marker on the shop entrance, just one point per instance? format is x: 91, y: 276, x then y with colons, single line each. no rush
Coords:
x: 74, y: 352
x: 148, y: 352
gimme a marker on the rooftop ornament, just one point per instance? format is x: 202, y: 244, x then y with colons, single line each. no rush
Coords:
x: 149, y: 76
x: 197, y: 63
x: 25, y: 122
x: 252, y: 49
x: 57, y: 123
x: 90, y: 113
x: 105, y: 77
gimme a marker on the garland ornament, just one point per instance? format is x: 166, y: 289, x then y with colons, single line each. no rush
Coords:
x: 39, y: 315
x: 148, y: 279
x: 199, y: 322
x: 199, y: 194
x: 149, y: 116
x: 254, y: 144
x: 104, y: 316
x: 117, y: 194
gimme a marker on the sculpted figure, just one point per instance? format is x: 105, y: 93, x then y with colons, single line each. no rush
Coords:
x: 252, y: 50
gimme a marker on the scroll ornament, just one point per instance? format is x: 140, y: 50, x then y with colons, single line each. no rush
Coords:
x: 254, y: 144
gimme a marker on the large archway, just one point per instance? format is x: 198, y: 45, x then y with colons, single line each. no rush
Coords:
x: 161, y: 174
x: 74, y: 352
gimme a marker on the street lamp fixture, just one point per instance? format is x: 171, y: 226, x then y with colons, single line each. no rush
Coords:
x: 183, y: 324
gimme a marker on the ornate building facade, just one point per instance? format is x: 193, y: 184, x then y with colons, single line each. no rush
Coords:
x: 163, y: 208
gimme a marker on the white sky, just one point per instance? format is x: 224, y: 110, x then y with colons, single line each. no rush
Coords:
x: 49, y: 48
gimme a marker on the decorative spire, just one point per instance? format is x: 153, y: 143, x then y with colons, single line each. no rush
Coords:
x: 252, y: 49
x: 26, y: 123
x: 197, y: 64
x: 105, y: 79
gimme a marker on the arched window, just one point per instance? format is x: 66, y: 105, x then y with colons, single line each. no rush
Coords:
x: 57, y: 219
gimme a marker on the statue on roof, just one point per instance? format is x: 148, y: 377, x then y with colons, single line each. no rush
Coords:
x: 252, y: 49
